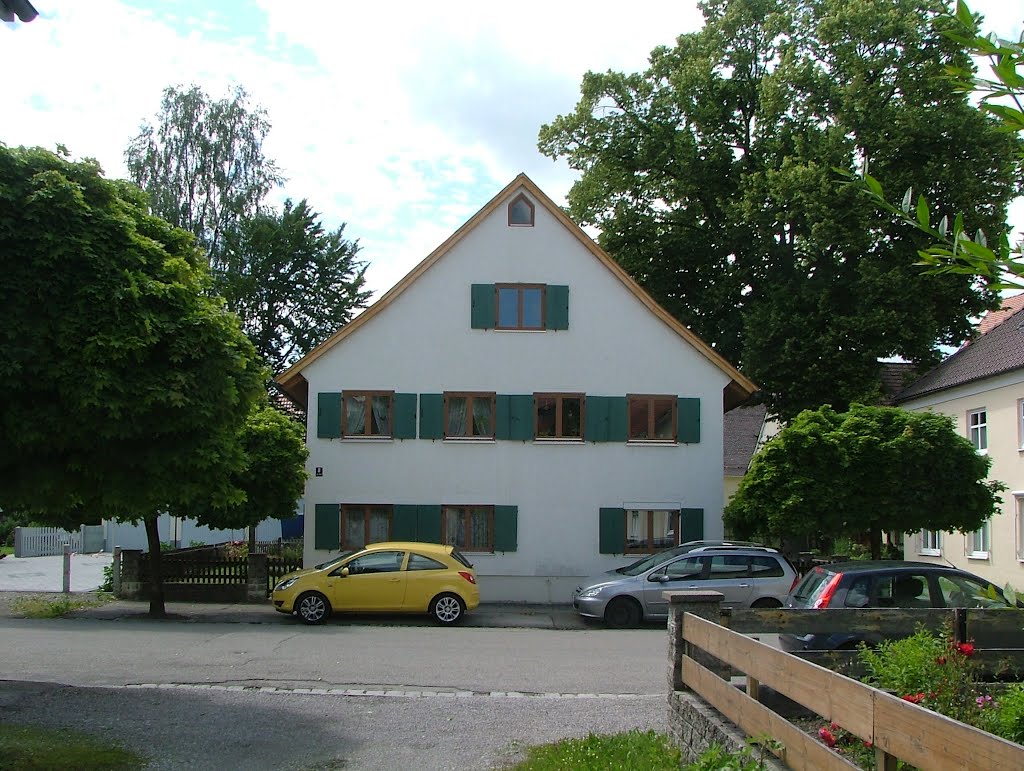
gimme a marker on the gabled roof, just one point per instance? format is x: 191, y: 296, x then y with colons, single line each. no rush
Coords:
x: 741, y: 431
x: 739, y: 389
x: 993, y: 319
x: 1000, y: 349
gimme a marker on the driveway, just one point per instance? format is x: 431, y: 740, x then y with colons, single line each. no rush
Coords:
x: 46, y: 574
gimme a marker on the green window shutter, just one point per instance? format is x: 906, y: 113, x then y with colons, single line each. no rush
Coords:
x: 691, y: 526
x: 613, y: 531
x: 482, y: 306
x: 688, y: 413
x: 506, y: 528
x: 596, y: 427
x: 404, y: 426
x: 428, y: 524
x: 557, y: 316
x: 502, y: 416
x: 618, y: 419
x: 328, y: 415
x: 327, y: 527
x: 431, y: 416
x: 521, y: 417
x: 403, y: 523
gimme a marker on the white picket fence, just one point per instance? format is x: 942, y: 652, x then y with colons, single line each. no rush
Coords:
x: 49, y: 541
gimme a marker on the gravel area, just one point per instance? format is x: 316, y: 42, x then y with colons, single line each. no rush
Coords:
x: 212, y: 729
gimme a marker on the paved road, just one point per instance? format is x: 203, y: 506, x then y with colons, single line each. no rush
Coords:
x: 352, y: 695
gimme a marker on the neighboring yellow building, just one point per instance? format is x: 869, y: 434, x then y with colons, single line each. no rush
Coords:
x: 981, y: 387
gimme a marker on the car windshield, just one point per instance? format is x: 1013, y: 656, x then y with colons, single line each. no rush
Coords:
x: 334, y: 559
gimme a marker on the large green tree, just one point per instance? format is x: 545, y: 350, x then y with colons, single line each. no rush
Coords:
x: 292, y: 282
x: 712, y: 178
x: 861, y: 473
x: 202, y: 163
x: 124, y: 384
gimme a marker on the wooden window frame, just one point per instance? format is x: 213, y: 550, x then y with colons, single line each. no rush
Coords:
x: 471, y: 397
x: 368, y: 416
x: 632, y: 399
x: 520, y: 288
x: 533, y: 211
x: 559, y: 401
x: 364, y: 509
x: 463, y: 510
x: 649, y: 547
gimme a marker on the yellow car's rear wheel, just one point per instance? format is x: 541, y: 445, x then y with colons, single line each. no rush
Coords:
x: 447, y: 609
x: 313, y: 608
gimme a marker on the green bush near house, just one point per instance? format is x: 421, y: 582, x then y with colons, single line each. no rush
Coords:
x: 29, y: 747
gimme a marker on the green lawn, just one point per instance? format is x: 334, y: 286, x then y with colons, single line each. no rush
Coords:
x: 28, y: 747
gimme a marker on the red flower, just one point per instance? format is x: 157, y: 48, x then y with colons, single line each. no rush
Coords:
x: 826, y: 736
x: 914, y: 698
x: 940, y: 660
x: 966, y: 648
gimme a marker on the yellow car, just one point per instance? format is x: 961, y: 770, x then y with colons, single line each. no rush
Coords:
x: 391, y: 577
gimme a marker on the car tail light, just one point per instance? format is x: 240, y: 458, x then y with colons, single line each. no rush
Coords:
x: 826, y: 596
x: 468, y: 576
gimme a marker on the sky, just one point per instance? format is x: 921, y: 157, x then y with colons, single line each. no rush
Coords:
x: 399, y: 120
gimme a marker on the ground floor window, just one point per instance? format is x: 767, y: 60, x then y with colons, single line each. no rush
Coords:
x: 471, y: 528
x: 979, y: 542
x: 649, y: 530
x: 931, y: 543
x: 364, y: 524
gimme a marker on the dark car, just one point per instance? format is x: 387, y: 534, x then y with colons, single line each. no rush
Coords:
x: 883, y: 584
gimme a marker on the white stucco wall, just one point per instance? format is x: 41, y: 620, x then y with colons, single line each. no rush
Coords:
x: 1000, y: 398
x: 423, y: 343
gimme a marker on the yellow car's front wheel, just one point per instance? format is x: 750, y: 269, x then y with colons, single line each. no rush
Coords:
x: 313, y: 608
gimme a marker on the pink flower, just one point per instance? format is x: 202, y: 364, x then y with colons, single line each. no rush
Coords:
x: 826, y: 736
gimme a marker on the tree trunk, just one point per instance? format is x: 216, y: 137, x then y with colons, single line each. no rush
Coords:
x: 156, y: 578
x: 876, y: 543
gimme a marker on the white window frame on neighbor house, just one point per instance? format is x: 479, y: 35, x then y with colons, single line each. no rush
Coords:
x: 1018, y: 505
x: 979, y: 543
x: 977, y: 430
x: 930, y: 543
x: 1020, y: 424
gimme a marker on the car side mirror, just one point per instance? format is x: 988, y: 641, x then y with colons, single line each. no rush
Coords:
x: 660, y: 578
x: 343, y: 572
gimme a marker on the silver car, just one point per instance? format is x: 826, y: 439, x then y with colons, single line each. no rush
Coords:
x: 757, y: 577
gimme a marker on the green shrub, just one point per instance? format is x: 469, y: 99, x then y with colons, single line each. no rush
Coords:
x: 634, y: 750
x: 1010, y: 714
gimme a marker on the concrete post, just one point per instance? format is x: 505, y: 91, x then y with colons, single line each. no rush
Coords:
x: 67, y: 567
x: 704, y: 604
x: 115, y: 572
x: 257, y: 578
x: 131, y: 587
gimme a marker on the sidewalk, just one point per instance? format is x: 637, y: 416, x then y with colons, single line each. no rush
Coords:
x: 46, y: 574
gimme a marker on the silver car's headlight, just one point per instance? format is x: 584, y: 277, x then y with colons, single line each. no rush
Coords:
x: 592, y: 591
x: 285, y: 584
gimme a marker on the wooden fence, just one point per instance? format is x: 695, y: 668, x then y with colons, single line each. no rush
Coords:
x: 703, y: 654
x: 205, y: 575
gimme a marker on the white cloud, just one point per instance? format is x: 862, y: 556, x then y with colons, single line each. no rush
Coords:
x: 399, y: 119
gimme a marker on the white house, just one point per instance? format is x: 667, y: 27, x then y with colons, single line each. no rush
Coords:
x: 518, y: 395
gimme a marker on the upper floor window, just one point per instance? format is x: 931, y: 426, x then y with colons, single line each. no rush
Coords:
x: 652, y: 418
x: 931, y: 543
x: 520, y: 212
x: 367, y: 413
x: 469, y: 415
x: 1020, y: 423
x: 520, y: 306
x: 979, y: 543
x: 558, y: 416
x: 977, y: 429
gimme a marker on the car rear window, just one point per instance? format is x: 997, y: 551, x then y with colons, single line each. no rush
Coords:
x: 812, y: 585
x: 457, y: 555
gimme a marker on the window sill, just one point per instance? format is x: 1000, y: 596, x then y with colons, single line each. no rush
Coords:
x: 558, y: 440
x: 652, y: 442
x: 469, y: 440
x: 930, y: 553
x: 978, y: 555
x: 368, y: 439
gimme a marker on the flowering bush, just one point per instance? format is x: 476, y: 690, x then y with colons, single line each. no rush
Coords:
x: 235, y: 550
x: 939, y: 674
